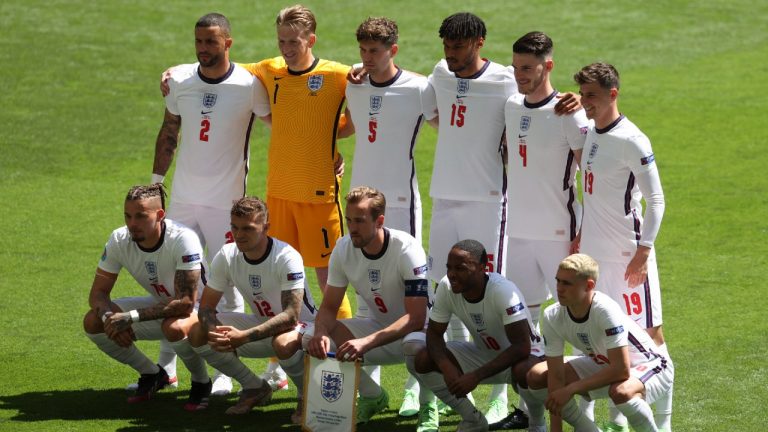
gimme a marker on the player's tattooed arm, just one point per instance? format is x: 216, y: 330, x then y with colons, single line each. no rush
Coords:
x: 167, y: 141
x: 207, y: 317
x: 185, y: 285
x: 284, y: 321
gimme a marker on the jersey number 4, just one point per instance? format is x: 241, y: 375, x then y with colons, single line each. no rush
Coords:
x: 457, y: 115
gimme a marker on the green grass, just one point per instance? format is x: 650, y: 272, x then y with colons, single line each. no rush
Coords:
x: 81, y: 109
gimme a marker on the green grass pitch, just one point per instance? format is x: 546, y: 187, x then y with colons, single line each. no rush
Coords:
x: 80, y: 110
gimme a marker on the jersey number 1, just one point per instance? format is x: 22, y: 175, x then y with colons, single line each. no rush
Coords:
x: 523, y: 151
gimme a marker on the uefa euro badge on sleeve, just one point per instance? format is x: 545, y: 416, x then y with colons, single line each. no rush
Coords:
x: 330, y: 394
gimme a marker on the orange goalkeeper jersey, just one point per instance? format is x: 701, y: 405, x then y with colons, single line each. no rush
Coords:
x: 306, y: 108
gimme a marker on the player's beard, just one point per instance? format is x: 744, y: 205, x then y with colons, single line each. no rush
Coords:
x: 213, y: 60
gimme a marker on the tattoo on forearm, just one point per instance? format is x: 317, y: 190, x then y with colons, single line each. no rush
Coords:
x: 207, y: 317
x: 285, y: 320
x: 167, y: 141
x: 185, y: 284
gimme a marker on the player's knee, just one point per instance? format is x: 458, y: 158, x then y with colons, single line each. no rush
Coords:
x: 198, y: 336
x: 520, y: 372
x: 621, y: 392
x: 92, y: 324
x: 536, y: 377
x: 172, y: 330
x: 414, y: 342
x: 423, y: 362
x: 286, y: 347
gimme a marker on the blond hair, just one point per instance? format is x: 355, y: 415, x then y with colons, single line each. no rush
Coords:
x: 583, y: 265
x: 297, y: 17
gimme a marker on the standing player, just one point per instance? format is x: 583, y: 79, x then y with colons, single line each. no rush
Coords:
x: 306, y: 95
x: 505, y: 346
x: 388, y: 107
x: 543, y: 216
x: 212, y: 104
x: 165, y: 259
x: 620, y: 170
x: 387, y: 268
x: 622, y: 362
x: 469, y: 182
x: 270, y: 274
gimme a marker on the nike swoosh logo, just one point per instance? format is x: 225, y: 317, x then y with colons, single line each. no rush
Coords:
x: 460, y: 96
x: 323, y: 255
x: 521, y: 136
x: 206, y: 112
x: 278, y: 78
x: 375, y: 289
x: 370, y: 113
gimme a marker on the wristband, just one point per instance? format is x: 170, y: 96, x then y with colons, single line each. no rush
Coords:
x: 157, y: 178
x: 134, y: 315
x: 106, y: 315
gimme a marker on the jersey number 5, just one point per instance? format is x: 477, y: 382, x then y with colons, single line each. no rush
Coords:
x: 589, y: 178
x: 372, y: 129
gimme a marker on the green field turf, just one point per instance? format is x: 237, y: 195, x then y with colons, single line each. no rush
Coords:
x: 81, y: 110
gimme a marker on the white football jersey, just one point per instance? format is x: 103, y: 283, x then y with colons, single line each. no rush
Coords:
x: 262, y: 282
x: 388, y: 117
x: 542, y: 169
x: 618, y: 163
x: 501, y: 304
x: 468, y: 158
x: 605, y: 327
x: 216, y: 121
x: 155, y: 269
x: 383, y: 281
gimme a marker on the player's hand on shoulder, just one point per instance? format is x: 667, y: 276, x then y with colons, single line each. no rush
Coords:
x: 165, y: 88
x: 569, y: 103
x: 356, y: 75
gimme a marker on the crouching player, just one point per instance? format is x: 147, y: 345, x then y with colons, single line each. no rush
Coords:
x: 165, y: 259
x: 387, y: 268
x: 621, y: 361
x: 505, y: 343
x: 269, y: 274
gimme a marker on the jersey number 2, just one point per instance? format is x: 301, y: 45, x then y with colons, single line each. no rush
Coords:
x: 205, y: 126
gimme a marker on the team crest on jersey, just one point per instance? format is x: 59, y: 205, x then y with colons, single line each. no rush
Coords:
x: 462, y: 86
x: 255, y: 282
x: 151, y: 267
x: 209, y: 100
x: 315, y: 82
x: 584, y: 338
x: 478, y: 320
x: 332, y: 385
x: 525, y: 123
x: 376, y: 103
x: 374, y: 276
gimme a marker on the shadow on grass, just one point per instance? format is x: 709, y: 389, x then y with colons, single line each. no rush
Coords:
x: 165, y: 413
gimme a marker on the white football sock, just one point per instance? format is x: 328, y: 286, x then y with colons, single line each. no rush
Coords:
x: 194, y: 363
x: 294, y: 368
x: 639, y: 414
x: 167, y: 358
x: 499, y: 391
x: 535, y: 407
x: 373, y: 371
x: 614, y: 415
x: 230, y: 365
x: 368, y: 387
x: 130, y: 356
x: 576, y: 417
x: 663, y: 405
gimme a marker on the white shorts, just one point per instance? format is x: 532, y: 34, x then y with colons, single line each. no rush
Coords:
x: 470, y: 358
x: 657, y: 375
x: 532, y: 266
x: 257, y: 349
x: 144, y: 330
x: 391, y: 353
x: 212, y: 227
x: 643, y: 302
x: 405, y: 219
x: 453, y: 221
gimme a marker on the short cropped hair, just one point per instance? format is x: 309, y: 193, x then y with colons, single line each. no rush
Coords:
x: 215, y: 20
x: 475, y: 249
x: 378, y: 29
x: 602, y: 73
x: 462, y: 25
x: 378, y: 201
x: 248, y: 206
x: 142, y: 192
x: 297, y: 17
x: 584, y: 266
x: 536, y: 43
